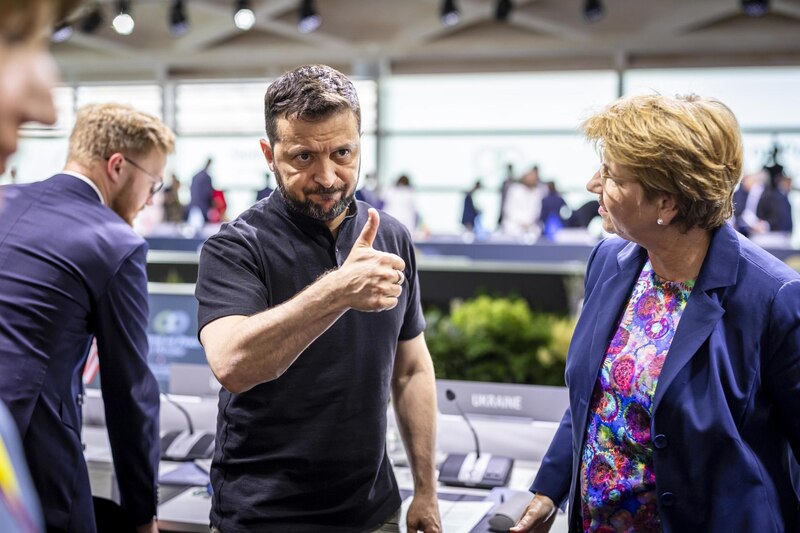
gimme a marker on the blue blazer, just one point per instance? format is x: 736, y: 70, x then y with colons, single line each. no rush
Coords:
x: 725, y: 424
x: 71, y: 269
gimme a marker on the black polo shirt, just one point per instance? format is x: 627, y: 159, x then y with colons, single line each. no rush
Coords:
x: 305, y: 452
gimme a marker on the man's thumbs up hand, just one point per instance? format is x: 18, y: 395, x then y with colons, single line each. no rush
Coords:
x: 370, y: 229
x: 373, y: 280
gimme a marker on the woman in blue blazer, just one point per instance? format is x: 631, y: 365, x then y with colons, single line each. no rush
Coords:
x: 684, y: 369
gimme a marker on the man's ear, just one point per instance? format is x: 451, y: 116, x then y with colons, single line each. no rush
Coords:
x: 114, y: 165
x: 266, y: 149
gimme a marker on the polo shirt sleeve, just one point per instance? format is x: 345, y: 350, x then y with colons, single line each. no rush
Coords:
x: 230, y: 279
x: 413, y: 319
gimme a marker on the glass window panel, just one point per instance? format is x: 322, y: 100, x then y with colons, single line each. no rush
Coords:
x: 238, y: 107
x: 760, y: 97
x: 497, y: 101
x: 147, y: 98
x: 38, y: 158
x: 220, y: 107
x: 439, y: 211
x: 368, y: 99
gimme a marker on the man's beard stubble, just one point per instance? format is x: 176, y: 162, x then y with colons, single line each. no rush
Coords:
x: 309, y: 208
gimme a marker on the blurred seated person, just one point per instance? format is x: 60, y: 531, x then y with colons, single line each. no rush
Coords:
x: 745, y: 204
x: 173, y: 208
x: 523, y: 205
x: 774, y: 207
x: 267, y: 190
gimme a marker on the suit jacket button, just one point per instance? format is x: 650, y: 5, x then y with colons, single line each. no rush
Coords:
x: 667, y: 499
x: 660, y: 441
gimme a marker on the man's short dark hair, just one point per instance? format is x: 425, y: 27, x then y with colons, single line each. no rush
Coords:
x: 310, y: 93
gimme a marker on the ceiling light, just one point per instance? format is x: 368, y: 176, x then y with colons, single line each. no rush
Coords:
x: 93, y: 20
x: 123, y: 23
x: 178, y: 22
x: 309, y: 18
x: 450, y: 13
x: 755, y: 8
x: 503, y: 9
x: 593, y: 10
x: 244, y: 17
x: 62, y: 33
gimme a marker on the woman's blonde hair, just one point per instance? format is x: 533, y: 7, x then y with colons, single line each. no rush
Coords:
x: 688, y: 147
x: 104, y: 129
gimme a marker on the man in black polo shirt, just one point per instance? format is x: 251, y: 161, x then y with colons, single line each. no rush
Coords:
x: 310, y: 316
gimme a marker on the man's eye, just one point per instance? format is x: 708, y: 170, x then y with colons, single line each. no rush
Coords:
x: 344, y: 152
x: 304, y: 157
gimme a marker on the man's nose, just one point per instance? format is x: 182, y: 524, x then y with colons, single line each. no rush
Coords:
x: 326, y: 173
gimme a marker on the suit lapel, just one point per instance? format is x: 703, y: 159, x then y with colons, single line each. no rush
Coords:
x: 697, y: 322
x: 612, y: 298
x: 704, y: 309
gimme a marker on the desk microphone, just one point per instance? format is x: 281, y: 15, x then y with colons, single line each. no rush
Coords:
x: 182, y: 409
x: 185, y: 445
x: 451, y: 396
x: 473, y: 469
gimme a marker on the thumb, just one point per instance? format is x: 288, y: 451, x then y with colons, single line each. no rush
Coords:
x: 370, y: 229
x: 524, y: 524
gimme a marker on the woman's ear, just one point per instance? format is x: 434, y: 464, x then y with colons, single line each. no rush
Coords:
x: 667, y: 208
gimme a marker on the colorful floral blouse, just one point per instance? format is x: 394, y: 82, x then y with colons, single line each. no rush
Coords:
x: 617, y: 476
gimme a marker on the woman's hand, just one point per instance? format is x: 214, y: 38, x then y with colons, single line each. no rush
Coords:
x: 538, y: 517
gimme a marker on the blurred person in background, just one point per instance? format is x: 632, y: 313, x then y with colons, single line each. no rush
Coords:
x: 470, y: 213
x: 27, y: 75
x: 684, y: 368
x: 550, y: 217
x: 174, y: 212
x: 523, y: 205
x: 267, y: 189
x: 745, y: 204
x: 370, y: 191
x: 774, y: 206
x: 202, y: 195
x: 398, y: 201
x: 79, y: 273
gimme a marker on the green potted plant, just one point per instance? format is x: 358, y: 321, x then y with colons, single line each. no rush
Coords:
x: 498, y: 339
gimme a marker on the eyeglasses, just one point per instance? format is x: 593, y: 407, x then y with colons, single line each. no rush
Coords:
x: 159, y: 181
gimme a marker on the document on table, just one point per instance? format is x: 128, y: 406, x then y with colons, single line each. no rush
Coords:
x: 457, y: 516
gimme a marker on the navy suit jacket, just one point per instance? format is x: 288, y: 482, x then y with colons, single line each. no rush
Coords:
x: 71, y: 269
x: 725, y: 424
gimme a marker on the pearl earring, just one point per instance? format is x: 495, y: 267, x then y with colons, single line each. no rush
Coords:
x: 660, y: 221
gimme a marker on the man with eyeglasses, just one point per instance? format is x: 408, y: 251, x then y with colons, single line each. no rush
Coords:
x: 72, y: 268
